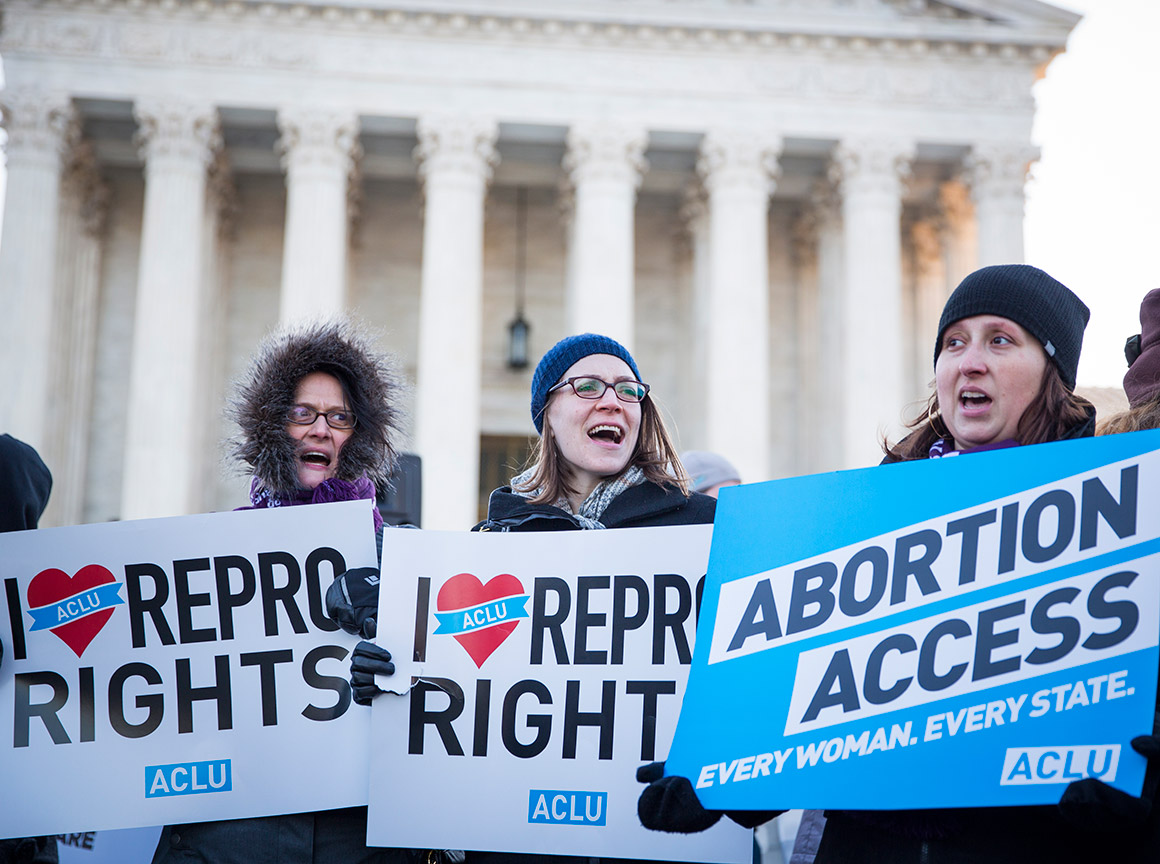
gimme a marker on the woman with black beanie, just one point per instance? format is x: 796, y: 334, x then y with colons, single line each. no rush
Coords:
x: 1006, y: 356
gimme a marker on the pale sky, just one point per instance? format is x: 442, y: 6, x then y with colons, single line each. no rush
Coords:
x: 1093, y: 201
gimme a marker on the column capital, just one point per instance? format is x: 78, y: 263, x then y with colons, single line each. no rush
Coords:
x: 223, y: 196
x: 600, y: 150
x: 872, y: 164
x: 180, y: 130
x: 39, y: 124
x: 998, y: 170
x: 460, y: 144
x: 82, y: 177
x: 954, y: 204
x: 922, y: 236
x: 733, y: 158
x: 318, y: 138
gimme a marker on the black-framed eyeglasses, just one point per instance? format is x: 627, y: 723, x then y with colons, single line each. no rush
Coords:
x: 304, y: 415
x: 593, y: 388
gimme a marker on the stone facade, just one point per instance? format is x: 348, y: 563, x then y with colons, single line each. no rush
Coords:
x: 766, y: 200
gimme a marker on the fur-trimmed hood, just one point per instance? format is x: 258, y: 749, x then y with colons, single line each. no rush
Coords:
x: 265, y: 394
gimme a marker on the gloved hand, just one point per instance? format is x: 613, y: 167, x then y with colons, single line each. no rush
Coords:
x: 366, y: 661
x: 352, y: 601
x: 670, y: 804
x: 1095, y: 806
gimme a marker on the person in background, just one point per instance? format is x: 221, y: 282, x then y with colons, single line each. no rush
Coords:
x: 709, y: 471
x: 25, y: 484
x: 318, y: 418
x: 1006, y: 356
x: 1142, y: 380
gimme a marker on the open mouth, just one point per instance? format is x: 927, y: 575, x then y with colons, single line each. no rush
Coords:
x: 611, y: 434
x: 313, y: 457
x: 973, y: 399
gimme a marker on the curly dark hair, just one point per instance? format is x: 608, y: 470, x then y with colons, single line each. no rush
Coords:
x: 265, y: 394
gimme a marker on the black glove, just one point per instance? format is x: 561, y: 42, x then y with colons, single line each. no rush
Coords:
x: 1095, y: 806
x: 670, y: 804
x: 352, y: 601
x: 366, y: 661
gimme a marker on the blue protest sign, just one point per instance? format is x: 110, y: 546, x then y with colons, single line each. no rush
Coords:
x: 969, y: 631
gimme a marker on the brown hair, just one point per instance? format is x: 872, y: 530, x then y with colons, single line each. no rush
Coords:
x: 1143, y: 416
x: 655, y: 455
x: 1052, y: 412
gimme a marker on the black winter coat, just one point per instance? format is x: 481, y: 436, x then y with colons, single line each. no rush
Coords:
x: 645, y: 505
x: 642, y: 506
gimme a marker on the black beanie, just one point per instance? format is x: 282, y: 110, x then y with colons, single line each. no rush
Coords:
x: 1041, y: 305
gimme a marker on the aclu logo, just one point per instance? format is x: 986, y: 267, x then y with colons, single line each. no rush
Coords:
x: 188, y: 778
x: 560, y: 807
x: 1029, y: 766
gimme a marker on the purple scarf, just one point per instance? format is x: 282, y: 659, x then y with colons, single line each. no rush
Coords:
x: 945, y: 447
x: 325, y: 492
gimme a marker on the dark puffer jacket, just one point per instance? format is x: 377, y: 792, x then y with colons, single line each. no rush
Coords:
x: 642, y: 506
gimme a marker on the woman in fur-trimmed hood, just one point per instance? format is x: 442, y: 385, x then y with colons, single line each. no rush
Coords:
x: 301, y: 456
x: 318, y: 421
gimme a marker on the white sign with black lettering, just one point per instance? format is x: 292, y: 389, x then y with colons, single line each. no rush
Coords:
x: 178, y: 670
x: 540, y: 670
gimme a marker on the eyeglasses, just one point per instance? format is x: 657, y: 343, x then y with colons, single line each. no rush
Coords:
x: 304, y: 415
x: 593, y: 388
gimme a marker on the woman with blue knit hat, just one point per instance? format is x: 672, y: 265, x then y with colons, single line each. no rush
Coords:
x: 604, y: 458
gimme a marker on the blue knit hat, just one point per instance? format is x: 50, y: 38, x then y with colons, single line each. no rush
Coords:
x: 1041, y: 305
x: 560, y: 357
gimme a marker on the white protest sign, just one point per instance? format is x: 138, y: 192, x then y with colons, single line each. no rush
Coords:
x: 547, y: 666
x: 176, y: 670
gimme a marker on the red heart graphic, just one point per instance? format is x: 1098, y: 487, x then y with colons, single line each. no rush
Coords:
x: 464, y: 591
x: 52, y: 585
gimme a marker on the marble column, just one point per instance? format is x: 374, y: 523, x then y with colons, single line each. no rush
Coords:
x: 219, y: 231
x: 318, y: 151
x: 925, y: 256
x: 38, y: 126
x: 456, y: 156
x: 738, y: 171
x: 694, y: 216
x: 161, y: 476
x: 83, y: 216
x: 996, y: 174
x: 604, y: 163
x: 960, y: 237
x: 870, y: 173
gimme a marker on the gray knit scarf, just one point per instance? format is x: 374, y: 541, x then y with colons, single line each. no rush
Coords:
x: 593, y: 507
